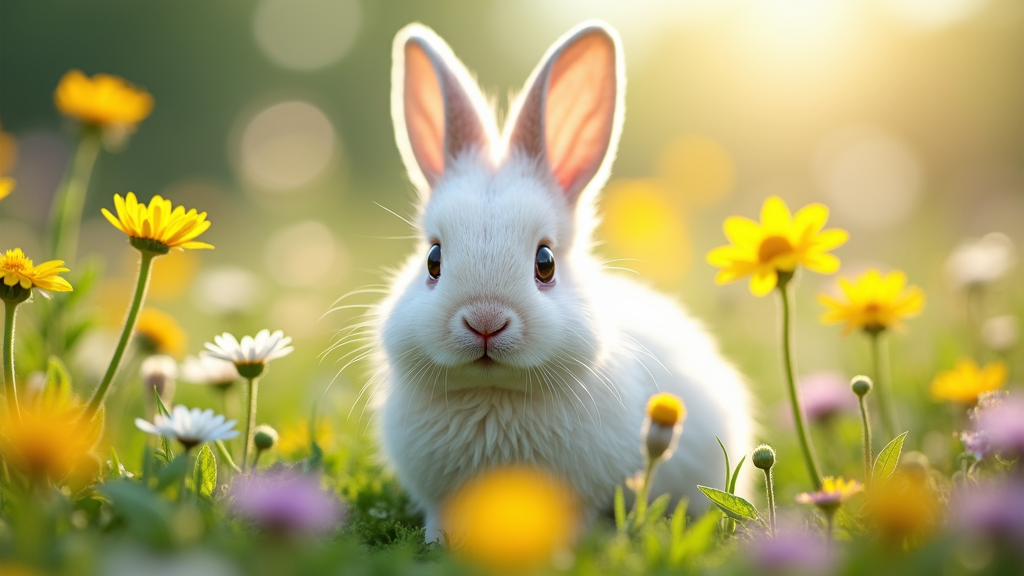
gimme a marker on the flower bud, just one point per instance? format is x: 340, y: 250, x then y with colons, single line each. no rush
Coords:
x: 663, y: 425
x: 264, y: 437
x: 763, y: 457
x: 159, y: 372
x: 860, y: 385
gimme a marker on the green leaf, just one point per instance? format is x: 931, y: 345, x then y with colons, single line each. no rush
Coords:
x: 204, y: 476
x: 735, y: 476
x: 678, y: 524
x: 160, y: 404
x: 57, y: 392
x: 620, y: 509
x: 887, y: 459
x: 226, y: 455
x: 172, y: 474
x: 734, y: 507
x: 656, y: 511
x: 147, y: 516
x: 727, y: 468
x: 697, y: 540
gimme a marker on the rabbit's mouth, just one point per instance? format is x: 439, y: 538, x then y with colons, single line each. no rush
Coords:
x: 485, y: 361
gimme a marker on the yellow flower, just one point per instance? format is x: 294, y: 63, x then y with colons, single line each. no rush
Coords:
x: 294, y: 442
x: 904, y: 506
x: 873, y: 303
x: 102, y: 100
x: 513, y: 518
x: 160, y: 332
x: 17, y: 269
x: 6, y: 186
x: 666, y: 409
x: 780, y: 243
x: 967, y: 381
x: 157, y: 228
x: 49, y: 443
x: 832, y: 494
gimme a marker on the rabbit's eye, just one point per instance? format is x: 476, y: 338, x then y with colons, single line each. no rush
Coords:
x: 544, y: 268
x: 434, y: 262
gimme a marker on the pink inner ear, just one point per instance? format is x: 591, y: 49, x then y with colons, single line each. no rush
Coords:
x: 580, y: 111
x: 424, y: 111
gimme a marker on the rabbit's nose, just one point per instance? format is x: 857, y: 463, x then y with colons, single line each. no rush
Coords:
x: 485, y: 325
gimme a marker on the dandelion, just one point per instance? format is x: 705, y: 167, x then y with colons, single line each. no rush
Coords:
x: 158, y: 332
x: 49, y: 443
x: 770, y: 252
x: 833, y: 492
x: 514, y: 518
x: 153, y: 230
x: 189, y: 427
x: 286, y: 502
x: 875, y: 304
x: 250, y: 357
x: 101, y: 101
x: 20, y: 276
x: 964, y: 383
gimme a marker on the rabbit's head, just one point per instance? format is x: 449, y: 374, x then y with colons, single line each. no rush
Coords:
x: 498, y: 290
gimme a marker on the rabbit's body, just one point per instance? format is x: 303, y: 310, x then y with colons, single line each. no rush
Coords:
x: 489, y: 359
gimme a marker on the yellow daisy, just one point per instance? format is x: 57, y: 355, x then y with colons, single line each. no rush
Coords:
x: 873, y: 302
x: 666, y: 409
x: 161, y: 333
x: 157, y: 228
x: 779, y: 243
x: 17, y: 269
x: 102, y: 100
x: 967, y: 381
x: 49, y: 443
x: 6, y: 186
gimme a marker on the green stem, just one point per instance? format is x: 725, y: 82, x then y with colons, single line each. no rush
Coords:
x: 250, y: 419
x: 643, y: 493
x: 771, y: 500
x: 866, y: 438
x: 829, y: 519
x: 145, y: 265
x: 794, y: 398
x: 890, y: 422
x: 66, y: 214
x: 184, y: 477
x: 12, y: 391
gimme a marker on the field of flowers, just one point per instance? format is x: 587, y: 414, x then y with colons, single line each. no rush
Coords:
x: 127, y: 448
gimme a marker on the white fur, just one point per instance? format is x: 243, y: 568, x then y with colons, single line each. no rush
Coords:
x: 577, y: 361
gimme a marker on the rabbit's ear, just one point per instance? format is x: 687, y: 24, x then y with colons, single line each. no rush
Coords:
x: 437, y: 109
x: 570, y: 113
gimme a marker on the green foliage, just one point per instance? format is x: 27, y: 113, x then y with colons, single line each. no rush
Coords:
x: 888, y: 458
x: 734, y: 506
x: 204, y: 475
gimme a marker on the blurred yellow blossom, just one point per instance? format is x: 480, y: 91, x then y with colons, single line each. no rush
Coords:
x: 49, y: 443
x: 834, y: 491
x: 160, y: 333
x: 8, y: 156
x: 294, y: 441
x: 780, y: 243
x: 873, y: 303
x: 666, y: 409
x: 158, y: 228
x: 904, y: 506
x: 17, y: 269
x: 6, y: 186
x: 103, y: 100
x: 967, y: 381
x: 511, y: 518
x: 700, y: 168
x: 18, y: 570
x: 172, y: 275
x: 644, y: 227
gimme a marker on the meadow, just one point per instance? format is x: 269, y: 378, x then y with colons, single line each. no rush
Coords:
x: 200, y: 204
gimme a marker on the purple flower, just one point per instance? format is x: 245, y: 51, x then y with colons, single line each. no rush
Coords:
x: 976, y: 443
x: 284, y: 501
x: 826, y: 395
x: 1003, y: 424
x: 792, y: 551
x: 993, y: 508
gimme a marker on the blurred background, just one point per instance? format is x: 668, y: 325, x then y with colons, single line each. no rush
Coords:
x: 906, y: 117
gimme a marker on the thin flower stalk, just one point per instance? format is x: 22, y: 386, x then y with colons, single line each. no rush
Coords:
x: 12, y: 391
x: 141, y: 286
x: 250, y: 419
x: 70, y: 200
x: 861, y: 386
x: 880, y: 367
x: 806, y: 447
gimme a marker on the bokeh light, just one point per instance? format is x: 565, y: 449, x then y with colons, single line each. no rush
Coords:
x: 702, y: 169
x: 226, y: 290
x: 306, y: 34
x: 870, y: 178
x: 645, y: 230
x: 301, y: 254
x: 929, y: 15
x: 287, y: 146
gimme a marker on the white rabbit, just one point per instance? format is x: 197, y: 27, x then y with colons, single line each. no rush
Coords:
x: 504, y: 342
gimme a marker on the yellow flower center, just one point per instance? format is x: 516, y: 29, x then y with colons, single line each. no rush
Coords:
x: 773, y: 246
x: 12, y: 262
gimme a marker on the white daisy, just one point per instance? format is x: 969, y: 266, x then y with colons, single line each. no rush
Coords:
x: 251, y: 354
x: 190, y: 427
x: 208, y: 370
x: 159, y: 372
